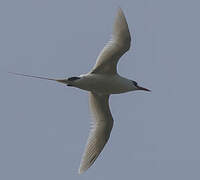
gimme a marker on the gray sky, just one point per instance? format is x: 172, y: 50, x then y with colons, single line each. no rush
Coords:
x: 44, y: 126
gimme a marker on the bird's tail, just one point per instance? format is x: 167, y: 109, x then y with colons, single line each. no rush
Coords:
x: 65, y: 81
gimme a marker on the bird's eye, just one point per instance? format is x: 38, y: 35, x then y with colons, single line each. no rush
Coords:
x: 135, y: 83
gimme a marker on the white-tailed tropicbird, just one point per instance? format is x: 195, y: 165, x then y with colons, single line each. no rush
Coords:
x: 102, y: 81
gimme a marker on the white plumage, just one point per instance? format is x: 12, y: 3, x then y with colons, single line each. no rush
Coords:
x: 99, y: 105
x: 102, y: 81
x: 100, y: 131
x: 115, y: 48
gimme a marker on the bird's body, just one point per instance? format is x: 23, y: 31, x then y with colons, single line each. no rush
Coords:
x: 102, y: 81
x: 103, y: 84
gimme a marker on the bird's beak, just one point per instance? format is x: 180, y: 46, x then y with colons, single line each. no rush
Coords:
x: 143, y: 89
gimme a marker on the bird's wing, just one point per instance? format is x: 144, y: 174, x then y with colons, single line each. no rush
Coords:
x: 100, y: 131
x: 120, y: 43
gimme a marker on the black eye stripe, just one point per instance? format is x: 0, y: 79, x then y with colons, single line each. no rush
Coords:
x: 73, y: 78
x: 135, y: 83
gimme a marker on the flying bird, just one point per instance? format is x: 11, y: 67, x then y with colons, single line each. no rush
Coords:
x: 102, y: 81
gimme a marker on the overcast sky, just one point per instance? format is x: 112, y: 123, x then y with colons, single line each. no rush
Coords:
x: 44, y: 125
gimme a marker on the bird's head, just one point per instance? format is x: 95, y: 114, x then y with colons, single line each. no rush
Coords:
x: 137, y: 87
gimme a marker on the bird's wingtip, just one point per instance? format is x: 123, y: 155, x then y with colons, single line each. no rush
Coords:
x: 120, y: 12
x: 81, y: 171
x: 119, y: 9
x: 83, y: 168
